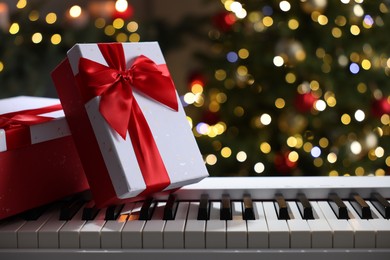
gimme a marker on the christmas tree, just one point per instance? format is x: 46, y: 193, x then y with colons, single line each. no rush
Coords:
x: 294, y: 88
x: 285, y: 87
x: 35, y: 36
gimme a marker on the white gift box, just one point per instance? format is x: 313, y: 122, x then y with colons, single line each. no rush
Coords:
x: 39, y: 163
x: 110, y: 162
x: 41, y: 132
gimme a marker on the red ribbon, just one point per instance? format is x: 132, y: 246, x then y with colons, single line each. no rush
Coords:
x: 114, y: 84
x: 17, y: 124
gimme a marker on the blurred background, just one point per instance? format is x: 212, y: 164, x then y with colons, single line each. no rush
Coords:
x: 271, y: 87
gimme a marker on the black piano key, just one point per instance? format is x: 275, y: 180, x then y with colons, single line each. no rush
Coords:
x: 360, y: 206
x: 248, y: 213
x: 203, y: 211
x: 113, y: 212
x: 304, y: 206
x: 147, y: 209
x: 338, y: 206
x: 170, y: 208
x: 35, y: 213
x: 381, y: 204
x: 226, y: 208
x: 281, y: 207
x: 70, y: 208
x: 90, y: 211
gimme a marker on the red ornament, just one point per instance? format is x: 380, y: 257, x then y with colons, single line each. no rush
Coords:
x: 126, y: 14
x: 283, y: 164
x: 224, y: 21
x: 196, y: 78
x: 305, y: 102
x: 379, y: 107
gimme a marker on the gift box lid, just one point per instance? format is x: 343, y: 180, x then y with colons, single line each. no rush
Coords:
x: 19, y: 134
x: 39, y: 163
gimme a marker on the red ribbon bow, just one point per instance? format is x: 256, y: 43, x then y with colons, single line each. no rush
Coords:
x: 16, y: 124
x: 114, y: 84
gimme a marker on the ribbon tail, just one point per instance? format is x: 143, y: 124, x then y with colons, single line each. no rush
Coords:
x: 149, y: 159
x: 115, y: 106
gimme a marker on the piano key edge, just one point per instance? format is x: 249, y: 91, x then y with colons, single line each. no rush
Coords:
x: 209, y: 254
x: 266, y: 187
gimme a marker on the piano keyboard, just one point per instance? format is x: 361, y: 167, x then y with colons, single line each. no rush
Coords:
x: 282, y: 217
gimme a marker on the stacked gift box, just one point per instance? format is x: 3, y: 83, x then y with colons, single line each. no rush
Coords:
x: 122, y: 132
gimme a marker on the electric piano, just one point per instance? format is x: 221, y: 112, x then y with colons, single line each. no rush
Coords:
x: 217, y: 218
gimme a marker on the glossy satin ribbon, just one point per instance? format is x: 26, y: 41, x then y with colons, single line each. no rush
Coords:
x: 114, y: 84
x: 16, y: 124
x: 27, y: 117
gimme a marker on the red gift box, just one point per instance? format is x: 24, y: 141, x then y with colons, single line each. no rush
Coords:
x: 127, y: 121
x: 39, y: 163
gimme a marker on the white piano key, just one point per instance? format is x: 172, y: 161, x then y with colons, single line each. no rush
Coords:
x: 279, y: 233
x: 215, y: 210
x: 194, y: 234
x: 269, y: 211
x: 236, y: 229
x: 132, y: 234
x: 8, y: 233
x: 351, y: 211
x: 382, y: 228
x: 258, y: 210
x: 216, y: 234
x: 69, y: 234
x: 364, y: 232
x: 215, y: 228
x: 182, y: 211
x: 257, y: 229
x: 321, y: 232
x: 237, y: 210
x: 90, y: 232
x: 193, y: 211
x: 48, y: 235
x: 300, y: 236
x: 174, y: 233
x: 110, y: 235
x: 343, y: 234
x: 28, y: 233
x: 300, y: 233
x: 375, y: 213
x: 158, y: 213
x: 317, y: 213
x: 132, y: 231
x: 326, y: 210
x: 257, y: 233
x: 295, y: 214
x: 236, y: 234
x: 174, y: 229
x: 152, y: 234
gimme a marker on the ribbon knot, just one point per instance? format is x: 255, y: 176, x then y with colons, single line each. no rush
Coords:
x: 127, y: 76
